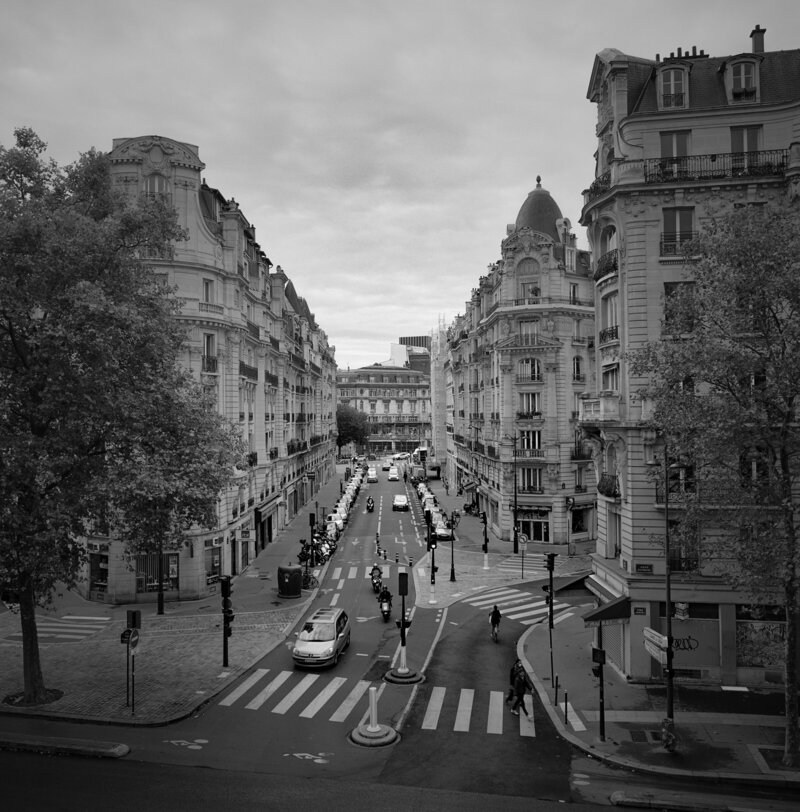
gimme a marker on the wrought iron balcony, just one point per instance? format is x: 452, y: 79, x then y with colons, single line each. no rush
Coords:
x: 209, y: 363
x: 607, y: 264
x: 671, y: 245
x: 600, y: 185
x: 246, y: 371
x: 760, y: 163
x: 609, y: 334
x: 608, y: 485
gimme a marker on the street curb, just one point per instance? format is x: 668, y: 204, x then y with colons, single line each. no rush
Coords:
x: 712, y: 777
x: 54, y: 746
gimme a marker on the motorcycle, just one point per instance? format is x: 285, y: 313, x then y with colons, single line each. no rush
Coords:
x: 386, y: 610
x: 370, y: 505
x: 377, y: 582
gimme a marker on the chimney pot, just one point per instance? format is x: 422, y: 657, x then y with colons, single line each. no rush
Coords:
x: 680, y: 52
x: 694, y: 50
x: 757, y: 35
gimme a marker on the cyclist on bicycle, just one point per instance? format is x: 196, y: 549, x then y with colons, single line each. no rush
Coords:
x: 494, y: 619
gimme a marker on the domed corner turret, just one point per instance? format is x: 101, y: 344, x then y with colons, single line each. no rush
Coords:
x: 541, y: 213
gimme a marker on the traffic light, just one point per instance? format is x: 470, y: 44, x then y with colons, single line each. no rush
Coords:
x: 483, y: 517
x: 227, y: 604
x: 546, y: 590
x: 551, y: 561
x: 433, y: 541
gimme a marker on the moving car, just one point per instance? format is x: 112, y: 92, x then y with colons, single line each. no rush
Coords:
x: 324, y: 636
x: 372, y: 475
x: 400, y: 502
x: 387, y: 464
x: 394, y: 476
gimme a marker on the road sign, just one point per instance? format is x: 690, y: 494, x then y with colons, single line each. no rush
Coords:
x: 523, y: 539
x: 125, y: 637
x: 655, y: 652
x: 659, y: 640
x: 134, y: 638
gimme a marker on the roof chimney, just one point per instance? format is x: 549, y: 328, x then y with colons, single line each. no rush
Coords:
x: 757, y: 35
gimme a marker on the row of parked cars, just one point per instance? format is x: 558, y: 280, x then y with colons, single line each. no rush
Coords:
x: 441, y: 523
x: 337, y: 518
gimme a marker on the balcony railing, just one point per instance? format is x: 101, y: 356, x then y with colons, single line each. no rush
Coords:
x: 608, y: 485
x: 528, y: 415
x: 761, y: 163
x: 254, y: 330
x: 671, y: 245
x: 530, y: 453
x: 529, y: 378
x: 607, y: 264
x: 600, y: 185
x: 211, y: 307
x: 609, y: 334
x: 246, y: 371
x: 209, y: 363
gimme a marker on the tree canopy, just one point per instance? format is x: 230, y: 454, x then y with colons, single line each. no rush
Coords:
x: 723, y: 387
x: 352, y: 426
x: 89, y: 376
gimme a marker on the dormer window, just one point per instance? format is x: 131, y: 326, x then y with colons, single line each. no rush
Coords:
x: 672, y: 89
x: 741, y: 81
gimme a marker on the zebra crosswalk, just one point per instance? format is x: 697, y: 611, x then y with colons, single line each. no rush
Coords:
x: 516, y: 604
x: 67, y: 629
x: 339, y: 699
x: 528, y: 566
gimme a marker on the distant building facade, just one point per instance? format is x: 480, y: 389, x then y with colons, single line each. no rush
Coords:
x: 396, y: 401
x: 679, y: 139
x: 252, y: 341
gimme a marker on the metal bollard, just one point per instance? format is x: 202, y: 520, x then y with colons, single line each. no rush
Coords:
x: 555, y: 698
x: 373, y: 709
x: 565, y: 708
x: 397, y: 558
x: 384, y: 555
x: 410, y: 562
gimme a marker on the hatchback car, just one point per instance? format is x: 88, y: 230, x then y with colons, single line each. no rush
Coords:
x: 394, y: 475
x: 323, y: 637
x: 372, y: 475
x: 400, y: 502
x: 444, y: 531
x: 387, y: 464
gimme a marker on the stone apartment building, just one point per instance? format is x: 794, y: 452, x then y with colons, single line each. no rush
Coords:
x: 396, y: 401
x: 255, y: 343
x: 518, y: 360
x: 679, y: 137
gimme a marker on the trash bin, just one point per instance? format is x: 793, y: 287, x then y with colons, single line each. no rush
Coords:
x: 290, y: 581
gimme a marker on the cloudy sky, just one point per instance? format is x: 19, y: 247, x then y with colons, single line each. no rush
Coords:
x: 379, y: 147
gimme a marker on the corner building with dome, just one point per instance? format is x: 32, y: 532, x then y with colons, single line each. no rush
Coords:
x: 515, y: 366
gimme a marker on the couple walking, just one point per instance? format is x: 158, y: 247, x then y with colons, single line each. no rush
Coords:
x: 519, y: 685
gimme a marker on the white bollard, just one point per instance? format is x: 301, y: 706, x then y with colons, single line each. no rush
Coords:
x: 373, y: 726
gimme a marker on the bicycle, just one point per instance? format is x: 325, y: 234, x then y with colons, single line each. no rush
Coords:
x: 310, y: 581
x: 495, y: 631
x: 494, y: 619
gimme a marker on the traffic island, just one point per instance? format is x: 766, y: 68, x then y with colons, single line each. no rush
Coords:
x: 399, y: 677
x: 373, y: 734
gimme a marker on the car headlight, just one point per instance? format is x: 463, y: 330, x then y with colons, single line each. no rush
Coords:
x: 327, y: 652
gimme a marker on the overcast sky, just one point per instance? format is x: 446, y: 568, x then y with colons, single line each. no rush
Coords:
x: 379, y: 147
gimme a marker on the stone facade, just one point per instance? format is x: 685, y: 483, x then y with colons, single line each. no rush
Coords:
x: 254, y: 342
x: 679, y: 140
x: 518, y: 361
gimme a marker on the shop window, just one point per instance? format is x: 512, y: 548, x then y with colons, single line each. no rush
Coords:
x: 147, y: 572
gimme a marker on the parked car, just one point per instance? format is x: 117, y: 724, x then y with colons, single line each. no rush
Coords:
x: 394, y: 475
x: 400, y: 502
x: 332, y: 530
x: 444, y: 531
x: 323, y: 637
x: 337, y: 520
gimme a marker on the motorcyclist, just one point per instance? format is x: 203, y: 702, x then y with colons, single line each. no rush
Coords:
x: 385, y: 595
x: 370, y: 503
x: 376, y: 572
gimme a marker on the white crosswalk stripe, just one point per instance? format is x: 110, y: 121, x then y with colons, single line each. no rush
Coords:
x: 67, y: 629
x: 469, y: 711
x: 516, y: 604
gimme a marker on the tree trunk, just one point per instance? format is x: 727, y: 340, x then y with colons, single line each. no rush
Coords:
x: 790, y: 749
x: 35, y: 692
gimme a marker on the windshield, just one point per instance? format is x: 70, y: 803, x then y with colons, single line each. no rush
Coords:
x: 318, y: 632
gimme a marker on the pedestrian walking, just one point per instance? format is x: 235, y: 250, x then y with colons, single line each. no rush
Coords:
x: 522, y: 685
x: 512, y: 676
x: 446, y: 487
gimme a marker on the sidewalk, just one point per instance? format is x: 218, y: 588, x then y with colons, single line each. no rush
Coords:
x: 730, y: 736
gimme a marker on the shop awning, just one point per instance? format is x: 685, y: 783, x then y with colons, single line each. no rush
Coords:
x: 469, y: 486
x: 615, y: 611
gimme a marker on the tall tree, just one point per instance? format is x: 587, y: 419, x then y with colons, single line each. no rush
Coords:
x: 724, y: 381
x: 88, y: 352
x: 352, y: 426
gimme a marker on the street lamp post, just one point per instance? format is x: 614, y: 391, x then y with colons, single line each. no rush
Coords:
x: 516, y: 526
x: 668, y: 725
x: 432, y: 548
x: 452, y: 547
